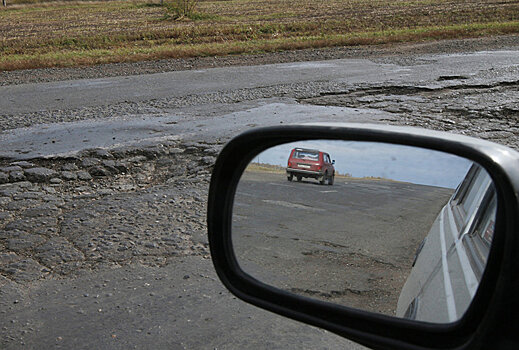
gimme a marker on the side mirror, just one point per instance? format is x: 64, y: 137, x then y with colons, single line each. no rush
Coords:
x: 333, y: 162
x: 413, y: 247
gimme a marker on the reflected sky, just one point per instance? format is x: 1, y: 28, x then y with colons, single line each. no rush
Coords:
x: 396, y: 162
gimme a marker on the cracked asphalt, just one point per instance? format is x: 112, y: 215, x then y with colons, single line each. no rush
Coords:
x: 489, y: 111
x: 103, y: 186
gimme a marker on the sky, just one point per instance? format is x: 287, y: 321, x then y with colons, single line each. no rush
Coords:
x: 396, y: 162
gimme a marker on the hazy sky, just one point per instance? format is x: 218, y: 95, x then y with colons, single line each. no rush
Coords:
x: 361, y: 159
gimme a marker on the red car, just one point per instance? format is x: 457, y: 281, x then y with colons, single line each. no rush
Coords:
x: 310, y: 163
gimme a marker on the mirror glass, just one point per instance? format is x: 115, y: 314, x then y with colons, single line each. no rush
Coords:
x: 392, y: 229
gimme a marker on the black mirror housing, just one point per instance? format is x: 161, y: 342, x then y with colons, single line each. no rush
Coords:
x: 491, y: 319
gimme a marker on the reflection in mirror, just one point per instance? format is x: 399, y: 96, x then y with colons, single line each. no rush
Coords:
x: 398, y: 230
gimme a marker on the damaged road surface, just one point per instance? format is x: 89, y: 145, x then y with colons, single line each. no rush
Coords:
x: 103, y: 188
x: 108, y: 249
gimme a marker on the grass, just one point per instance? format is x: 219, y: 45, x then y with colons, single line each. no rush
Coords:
x: 75, y: 33
x: 265, y: 168
x: 280, y: 170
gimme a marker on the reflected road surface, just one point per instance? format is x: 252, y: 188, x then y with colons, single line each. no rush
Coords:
x: 352, y: 243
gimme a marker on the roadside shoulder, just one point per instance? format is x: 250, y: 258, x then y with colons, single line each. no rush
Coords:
x: 407, y: 50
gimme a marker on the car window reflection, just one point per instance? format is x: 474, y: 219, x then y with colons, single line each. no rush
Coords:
x: 478, y: 240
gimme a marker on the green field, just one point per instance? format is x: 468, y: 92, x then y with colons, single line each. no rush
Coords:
x: 47, y: 34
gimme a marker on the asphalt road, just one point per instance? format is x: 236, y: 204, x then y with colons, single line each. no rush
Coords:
x: 158, y: 298
x: 352, y: 243
x: 94, y: 92
x: 180, y: 306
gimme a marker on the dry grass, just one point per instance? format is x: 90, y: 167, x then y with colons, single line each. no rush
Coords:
x: 83, y: 33
x: 265, y: 168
